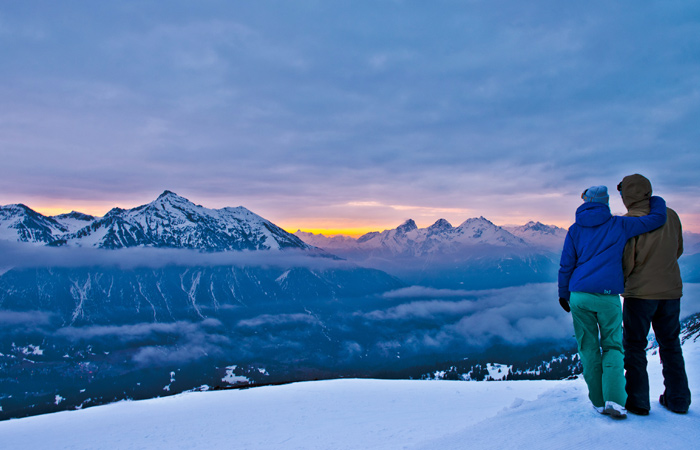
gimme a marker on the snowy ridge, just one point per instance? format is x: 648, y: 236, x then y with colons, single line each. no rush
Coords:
x: 74, y: 221
x: 169, y: 221
x: 441, y: 236
x: 23, y: 224
x: 174, y: 221
x: 536, y: 233
x: 379, y: 414
x: 332, y: 242
x: 409, y: 240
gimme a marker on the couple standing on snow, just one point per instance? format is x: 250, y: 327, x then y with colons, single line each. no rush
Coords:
x: 636, y: 256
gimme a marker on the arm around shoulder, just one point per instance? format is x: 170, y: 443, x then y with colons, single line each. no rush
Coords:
x: 635, y: 226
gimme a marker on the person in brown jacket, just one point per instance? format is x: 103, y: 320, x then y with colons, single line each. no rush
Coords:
x: 653, y: 289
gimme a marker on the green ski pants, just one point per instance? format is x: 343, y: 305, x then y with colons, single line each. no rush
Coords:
x: 598, y: 328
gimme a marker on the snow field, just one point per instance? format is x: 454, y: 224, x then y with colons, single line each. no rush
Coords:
x: 369, y: 414
x: 335, y: 414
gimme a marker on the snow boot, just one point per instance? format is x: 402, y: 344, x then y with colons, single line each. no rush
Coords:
x: 662, y: 400
x: 614, y: 410
x: 636, y: 410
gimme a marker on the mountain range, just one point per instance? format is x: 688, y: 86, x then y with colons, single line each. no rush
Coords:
x: 97, y: 309
x: 443, y: 238
x: 80, y: 288
x: 170, y: 221
x: 477, y: 254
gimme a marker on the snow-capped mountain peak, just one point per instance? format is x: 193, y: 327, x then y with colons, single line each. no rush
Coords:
x: 440, y: 237
x: 168, y: 221
x: 407, y: 226
x: 19, y: 222
x: 476, y: 222
x: 167, y: 193
x: 539, y: 234
x: 74, y: 220
x: 482, y: 230
x: 539, y: 227
x: 440, y: 226
x: 174, y: 221
x: 326, y: 242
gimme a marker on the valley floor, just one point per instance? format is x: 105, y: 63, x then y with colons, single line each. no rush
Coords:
x: 369, y: 414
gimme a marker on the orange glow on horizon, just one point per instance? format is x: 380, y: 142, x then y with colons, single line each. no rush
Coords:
x: 334, y: 227
x: 91, y: 209
x: 330, y: 232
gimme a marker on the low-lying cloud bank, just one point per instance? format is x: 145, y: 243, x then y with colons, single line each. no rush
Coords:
x: 23, y: 255
x: 514, y: 315
x: 519, y: 315
x: 24, y: 318
x: 177, y: 342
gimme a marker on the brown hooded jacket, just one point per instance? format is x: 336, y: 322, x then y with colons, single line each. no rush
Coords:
x: 650, y: 261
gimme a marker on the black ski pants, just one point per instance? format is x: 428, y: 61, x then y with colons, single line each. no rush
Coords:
x: 638, y: 315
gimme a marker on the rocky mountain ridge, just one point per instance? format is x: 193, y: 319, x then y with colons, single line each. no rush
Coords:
x: 443, y: 238
x: 170, y: 221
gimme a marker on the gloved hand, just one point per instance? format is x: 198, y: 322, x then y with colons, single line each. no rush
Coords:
x: 564, y: 304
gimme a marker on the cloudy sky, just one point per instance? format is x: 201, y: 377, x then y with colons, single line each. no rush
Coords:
x: 349, y: 115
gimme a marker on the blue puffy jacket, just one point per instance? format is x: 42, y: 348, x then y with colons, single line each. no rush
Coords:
x: 592, y: 257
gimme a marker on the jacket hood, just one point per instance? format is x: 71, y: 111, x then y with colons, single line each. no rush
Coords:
x: 592, y: 214
x: 636, y: 192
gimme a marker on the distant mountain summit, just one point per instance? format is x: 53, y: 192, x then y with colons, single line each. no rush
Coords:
x: 170, y: 221
x: 536, y: 233
x: 477, y: 253
x: 409, y: 240
x: 74, y: 221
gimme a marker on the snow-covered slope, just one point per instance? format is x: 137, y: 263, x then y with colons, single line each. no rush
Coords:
x: 369, y: 414
x: 23, y: 224
x: 74, y: 220
x: 174, y: 221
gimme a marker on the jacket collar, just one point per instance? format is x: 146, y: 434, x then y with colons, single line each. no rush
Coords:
x: 592, y: 214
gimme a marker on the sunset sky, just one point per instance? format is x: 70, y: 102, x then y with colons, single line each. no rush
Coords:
x: 349, y: 116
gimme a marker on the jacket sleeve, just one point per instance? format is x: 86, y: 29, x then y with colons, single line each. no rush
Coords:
x: 567, y: 265
x: 634, y: 226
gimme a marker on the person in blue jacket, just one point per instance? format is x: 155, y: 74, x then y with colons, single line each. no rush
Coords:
x: 590, y: 283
